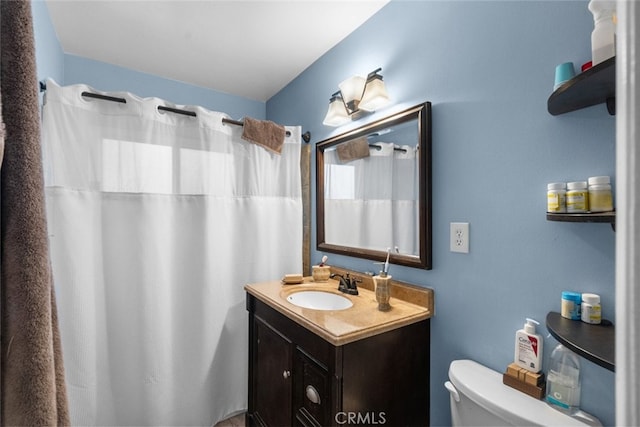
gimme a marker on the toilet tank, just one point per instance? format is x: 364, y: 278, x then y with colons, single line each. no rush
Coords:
x: 479, y: 398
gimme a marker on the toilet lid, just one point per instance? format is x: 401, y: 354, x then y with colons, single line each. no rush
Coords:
x: 484, y: 386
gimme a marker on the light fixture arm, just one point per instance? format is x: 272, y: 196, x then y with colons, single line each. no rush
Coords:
x: 372, y: 74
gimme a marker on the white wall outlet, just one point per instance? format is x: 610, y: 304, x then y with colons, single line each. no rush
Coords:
x: 459, y: 237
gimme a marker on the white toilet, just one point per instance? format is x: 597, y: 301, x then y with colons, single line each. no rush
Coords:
x: 479, y: 398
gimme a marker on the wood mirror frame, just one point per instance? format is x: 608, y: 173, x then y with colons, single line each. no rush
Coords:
x: 421, y: 115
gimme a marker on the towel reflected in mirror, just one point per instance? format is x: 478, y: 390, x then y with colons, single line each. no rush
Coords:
x: 353, y: 150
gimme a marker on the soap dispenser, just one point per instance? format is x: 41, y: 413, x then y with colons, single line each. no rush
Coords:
x: 381, y: 282
x: 528, y: 351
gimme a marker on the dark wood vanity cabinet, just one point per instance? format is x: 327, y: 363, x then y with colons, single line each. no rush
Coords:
x: 297, y: 378
x: 273, y: 359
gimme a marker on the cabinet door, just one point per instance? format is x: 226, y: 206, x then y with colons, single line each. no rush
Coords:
x: 311, y: 396
x: 272, y: 376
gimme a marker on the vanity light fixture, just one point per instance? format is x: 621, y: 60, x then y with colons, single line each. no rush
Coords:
x: 356, y: 96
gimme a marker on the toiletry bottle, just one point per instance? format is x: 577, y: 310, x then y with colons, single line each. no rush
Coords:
x: 557, y: 197
x: 577, y: 197
x: 603, y: 40
x: 563, y: 380
x: 570, y: 305
x: 600, y: 194
x: 381, y: 282
x: 528, y: 353
x: 591, y: 309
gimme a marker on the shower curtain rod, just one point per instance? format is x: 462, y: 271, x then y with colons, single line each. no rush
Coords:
x: 43, y: 86
x: 305, y: 136
x: 378, y: 148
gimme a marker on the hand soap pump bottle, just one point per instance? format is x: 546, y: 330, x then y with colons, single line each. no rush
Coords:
x: 563, y: 380
x: 528, y: 350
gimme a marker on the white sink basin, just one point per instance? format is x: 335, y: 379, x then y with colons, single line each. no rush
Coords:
x: 318, y: 300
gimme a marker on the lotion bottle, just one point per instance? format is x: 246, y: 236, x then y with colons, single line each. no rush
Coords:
x: 528, y: 349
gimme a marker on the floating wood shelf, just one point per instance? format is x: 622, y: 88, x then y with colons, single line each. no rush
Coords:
x: 593, y: 342
x: 606, y: 217
x: 594, y: 86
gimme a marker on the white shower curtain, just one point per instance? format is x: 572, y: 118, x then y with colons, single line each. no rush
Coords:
x: 156, y: 222
x: 363, y: 197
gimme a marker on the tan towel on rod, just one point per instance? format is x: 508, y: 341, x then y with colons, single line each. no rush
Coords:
x: 264, y: 133
x: 32, y: 374
x: 353, y: 150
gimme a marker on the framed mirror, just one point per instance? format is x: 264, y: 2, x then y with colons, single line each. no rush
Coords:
x: 374, y: 190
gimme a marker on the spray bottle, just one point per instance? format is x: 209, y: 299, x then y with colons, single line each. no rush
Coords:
x: 563, y: 380
x: 603, y: 35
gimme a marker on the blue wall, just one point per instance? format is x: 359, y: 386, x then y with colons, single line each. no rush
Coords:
x: 488, y: 68
x: 49, y: 54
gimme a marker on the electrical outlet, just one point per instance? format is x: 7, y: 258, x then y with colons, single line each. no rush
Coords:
x: 459, y: 237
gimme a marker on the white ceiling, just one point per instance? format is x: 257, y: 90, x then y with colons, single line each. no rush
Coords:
x: 245, y: 48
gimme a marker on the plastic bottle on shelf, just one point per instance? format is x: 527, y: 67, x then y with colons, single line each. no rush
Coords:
x: 557, y: 197
x: 603, y: 40
x: 563, y: 380
x: 600, y: 194
x: 577, y: 197
x: 571, y: 305
x: 591, y: 310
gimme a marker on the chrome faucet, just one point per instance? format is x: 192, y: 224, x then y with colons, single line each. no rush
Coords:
x: 348, y: 284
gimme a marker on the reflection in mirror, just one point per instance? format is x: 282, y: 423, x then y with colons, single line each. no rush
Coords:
x: 373, y: 190
x: 379, y: 188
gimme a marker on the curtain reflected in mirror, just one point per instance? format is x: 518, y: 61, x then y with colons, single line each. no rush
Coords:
x: 374, y: 190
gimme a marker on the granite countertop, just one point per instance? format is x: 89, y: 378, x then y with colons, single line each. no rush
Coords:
x: 341, y: 327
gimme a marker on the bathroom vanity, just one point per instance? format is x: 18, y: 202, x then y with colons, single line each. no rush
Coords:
x: 361, y: 366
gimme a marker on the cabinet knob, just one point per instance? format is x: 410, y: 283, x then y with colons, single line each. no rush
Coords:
x: 286, y: 374
x: 313, y: 395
